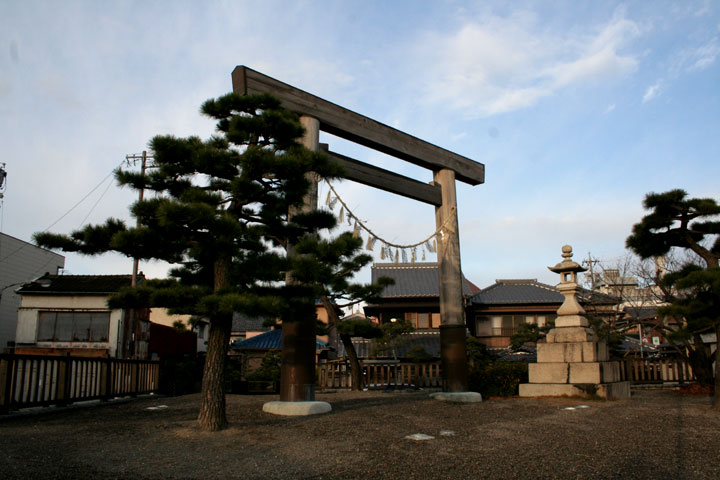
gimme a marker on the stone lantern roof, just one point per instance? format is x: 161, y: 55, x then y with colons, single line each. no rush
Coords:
x: 567, y: 269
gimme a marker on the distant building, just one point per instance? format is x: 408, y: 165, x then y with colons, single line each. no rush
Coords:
x: 498, y: 310
x: 20, y: 262
x: 69, y: 314
x: 415, y: 296
x: 61, y: 314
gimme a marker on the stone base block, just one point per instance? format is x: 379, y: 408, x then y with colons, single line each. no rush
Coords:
x: 609, y: 391
x: 548, y: 372
x: 457, y: 397
x: 572, y: 352
x: 594, y: 372
x: 571, y: 321
x: 570, y: 335
x: 595, y: 352
x: 296, y: 408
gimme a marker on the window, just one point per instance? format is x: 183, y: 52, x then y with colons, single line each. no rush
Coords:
x: 423, y: 320
x: 73, y: 326
x: 483, y: 326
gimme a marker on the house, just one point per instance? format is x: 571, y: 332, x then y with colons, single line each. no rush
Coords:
x: 20, y: 262
x: 415, y: 296
x: 68, y: 314
x: 497, y: 311
x: 62, y: 314
x: 253, y: 350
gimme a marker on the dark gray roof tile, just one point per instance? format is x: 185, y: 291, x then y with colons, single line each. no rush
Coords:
x: 271, y: 340
x: 77, y: 284
x: 517, y: 292
x: 412, y: 280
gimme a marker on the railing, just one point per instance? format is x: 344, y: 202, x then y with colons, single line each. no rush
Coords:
x: 658, y: 371
x: 39, y: 380
x: 380, y: 375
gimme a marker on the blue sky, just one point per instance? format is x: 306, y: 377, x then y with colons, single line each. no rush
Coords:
x: 577, y: 109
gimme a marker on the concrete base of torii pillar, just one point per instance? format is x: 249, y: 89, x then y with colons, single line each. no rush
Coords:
x: 457, y: 397
x: 297, y: 409
x: 572, y: 362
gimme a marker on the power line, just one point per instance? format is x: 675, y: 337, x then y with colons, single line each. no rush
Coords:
x: 66, y: 213
x: 95, y: 204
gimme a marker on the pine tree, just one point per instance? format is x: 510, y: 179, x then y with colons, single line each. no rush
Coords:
x: 220, y: 215
x: 691, y: 224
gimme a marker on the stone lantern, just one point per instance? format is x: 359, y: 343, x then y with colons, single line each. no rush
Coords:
x: 571, y: 361
x: 575, y: 326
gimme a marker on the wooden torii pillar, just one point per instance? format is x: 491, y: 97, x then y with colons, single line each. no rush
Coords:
x: 446, y: 167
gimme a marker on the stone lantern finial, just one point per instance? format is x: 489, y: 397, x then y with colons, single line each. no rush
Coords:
x: 567, y: 269
x: 568, y: 286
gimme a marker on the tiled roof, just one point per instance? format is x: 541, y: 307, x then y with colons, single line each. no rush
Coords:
x: 641, y: 313
x: 77, y: 284
x: 271, y: 340
x: 528, y: 291
x: 412, y: 280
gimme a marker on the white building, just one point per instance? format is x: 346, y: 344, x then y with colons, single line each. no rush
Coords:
x: 69, y: 314
x: 20, y: 262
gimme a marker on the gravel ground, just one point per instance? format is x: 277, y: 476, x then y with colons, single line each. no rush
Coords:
x: 655, y: 434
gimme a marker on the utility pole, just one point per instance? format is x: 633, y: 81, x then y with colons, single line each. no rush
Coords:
x: 590, y: 262
x: 131, y: 331
x: 143, y: 166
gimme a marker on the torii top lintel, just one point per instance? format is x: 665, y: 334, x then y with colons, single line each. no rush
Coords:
x: 357, y: 128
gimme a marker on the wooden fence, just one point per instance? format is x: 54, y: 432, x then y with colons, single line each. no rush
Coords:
x: 655, y: 371
x: 334, y: 375
x: 39, y: 380
x: 380, y: 375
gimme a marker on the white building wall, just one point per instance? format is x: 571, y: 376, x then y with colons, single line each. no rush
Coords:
x: 27, y: 325
x: 20, y: 262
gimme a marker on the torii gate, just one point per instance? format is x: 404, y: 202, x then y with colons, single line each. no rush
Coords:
x: 298, y: 354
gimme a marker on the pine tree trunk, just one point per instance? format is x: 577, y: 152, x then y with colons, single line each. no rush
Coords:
x: 212, y: 408
x: 355, y: 368
x: 701, y: 363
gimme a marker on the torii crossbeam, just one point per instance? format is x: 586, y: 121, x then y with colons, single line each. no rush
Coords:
x: 297, y: 378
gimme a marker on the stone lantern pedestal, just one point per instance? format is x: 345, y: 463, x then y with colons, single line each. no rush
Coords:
x: 573, y: 362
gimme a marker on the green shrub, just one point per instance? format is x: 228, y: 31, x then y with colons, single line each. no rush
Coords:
x: 269, y: 370
x: 418, y: 354
x: 499, y: 379
x: 478, y: 355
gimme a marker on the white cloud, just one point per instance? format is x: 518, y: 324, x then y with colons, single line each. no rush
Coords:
x: 705, y: 55
x: 696, y: 58
x: 500, y: 64
x: 651, y: 92
x: 610, y: 108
